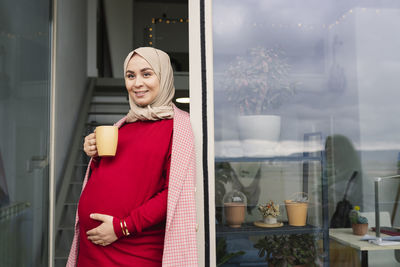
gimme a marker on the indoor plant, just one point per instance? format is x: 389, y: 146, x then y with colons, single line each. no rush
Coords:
x: 288, y: 250
x: 358, y: 223
x: 258, y: 83
x: 222, y: 255
x: 296, y: 208
x: 235, y: 204
x: 269, y: 211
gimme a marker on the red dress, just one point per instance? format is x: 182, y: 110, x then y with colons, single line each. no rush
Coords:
x: 133, y: 186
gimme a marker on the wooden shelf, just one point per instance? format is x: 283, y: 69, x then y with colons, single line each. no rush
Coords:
x: 248, y: 229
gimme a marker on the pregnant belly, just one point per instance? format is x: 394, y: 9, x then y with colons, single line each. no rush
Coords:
x: 109, y: 199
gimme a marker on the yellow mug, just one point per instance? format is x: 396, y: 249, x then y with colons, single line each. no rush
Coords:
x: 106, y: 140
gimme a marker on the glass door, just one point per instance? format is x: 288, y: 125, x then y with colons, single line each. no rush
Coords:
x: 24, y: 132
x: 305, y: 113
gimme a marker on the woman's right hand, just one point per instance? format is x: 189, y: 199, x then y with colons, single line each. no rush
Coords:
x: 90, y: 145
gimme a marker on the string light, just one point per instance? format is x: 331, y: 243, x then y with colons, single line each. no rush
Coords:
x: 162, y: 20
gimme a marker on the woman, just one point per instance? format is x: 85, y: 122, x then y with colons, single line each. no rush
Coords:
x: 138, y: 207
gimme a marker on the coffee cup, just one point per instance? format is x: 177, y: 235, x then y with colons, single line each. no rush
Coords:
x: 106, y: 140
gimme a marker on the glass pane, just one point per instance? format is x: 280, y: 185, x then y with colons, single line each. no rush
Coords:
x: 24, y: 120
x: 305, y: 107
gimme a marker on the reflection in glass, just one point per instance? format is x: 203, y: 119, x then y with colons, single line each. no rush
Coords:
x: 24, y: 120
x: 327, y: 73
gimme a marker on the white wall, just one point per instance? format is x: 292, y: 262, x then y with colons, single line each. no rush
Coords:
x: 71, y: 74
x: 120, y: 33
x: 92, y: 38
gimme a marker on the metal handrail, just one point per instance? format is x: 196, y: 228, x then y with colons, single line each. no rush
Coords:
x: 74, y: 149
x: 13, y: 210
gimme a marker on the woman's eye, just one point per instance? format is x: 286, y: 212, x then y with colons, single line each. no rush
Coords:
x: 147, y: 74
x: 130, y: 76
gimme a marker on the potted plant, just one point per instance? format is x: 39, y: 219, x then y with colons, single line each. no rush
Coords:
x: 235, y: 204
x: 226, y: 176
x: 222, y: 255
x: 296, y: 208
x: 288, y: 250
x: 270, y: 212
x: 358, y: 223
x: 258, y: 83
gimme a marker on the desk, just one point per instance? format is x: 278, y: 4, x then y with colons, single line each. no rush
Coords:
x: 345, y: 236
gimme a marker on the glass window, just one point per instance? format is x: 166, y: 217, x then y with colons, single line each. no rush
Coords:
x: 305, y: 110
x: 24, y: 132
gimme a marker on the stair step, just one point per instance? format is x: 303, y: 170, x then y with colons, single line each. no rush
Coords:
x: 60, y: 261
x: 106, y: 113
x: 111, y: 103
x: 106, y: 119
x: 70, y: 203
x: 80, y: 165
x: 94, y: 123
x: 110, y: 93
x: 68, y: 228
x: 110, y: 99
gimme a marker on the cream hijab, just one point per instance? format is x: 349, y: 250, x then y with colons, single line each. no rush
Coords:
x: 161, y: 107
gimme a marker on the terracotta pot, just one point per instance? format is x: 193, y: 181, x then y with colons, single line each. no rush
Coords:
x: 360, y: 228
x: 234, y: 214
x: 297, y: 212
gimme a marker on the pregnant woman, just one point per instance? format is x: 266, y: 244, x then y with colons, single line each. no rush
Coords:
x: 138, y: 207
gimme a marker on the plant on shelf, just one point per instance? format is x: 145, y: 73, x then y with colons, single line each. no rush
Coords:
x: 288, y: 250
x: 258, y: 82
x: 269, y: 211
x: 222, y: 255
x: 358, y: 222
x: 224, y: 177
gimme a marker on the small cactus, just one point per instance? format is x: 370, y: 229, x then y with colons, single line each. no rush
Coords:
x: 362, y: 220
x: 356, y: 218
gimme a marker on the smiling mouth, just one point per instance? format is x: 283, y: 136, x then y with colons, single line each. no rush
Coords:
x: 140, y: 93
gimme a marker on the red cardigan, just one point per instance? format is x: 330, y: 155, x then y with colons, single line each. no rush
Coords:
x: 133, y: 186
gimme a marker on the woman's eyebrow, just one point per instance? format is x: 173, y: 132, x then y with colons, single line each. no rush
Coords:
x: 142, y: 70
x: 145, y: 69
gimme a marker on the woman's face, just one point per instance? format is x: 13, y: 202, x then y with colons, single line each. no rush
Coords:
x: 141, y: 81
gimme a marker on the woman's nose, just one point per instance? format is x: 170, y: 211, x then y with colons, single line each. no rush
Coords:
x: 138, y: 82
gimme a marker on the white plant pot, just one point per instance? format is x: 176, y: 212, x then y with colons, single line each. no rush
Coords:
x: 270, y: 220
x: 259, y: 134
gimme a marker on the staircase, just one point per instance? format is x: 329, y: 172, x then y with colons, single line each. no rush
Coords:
x: 105, y: 103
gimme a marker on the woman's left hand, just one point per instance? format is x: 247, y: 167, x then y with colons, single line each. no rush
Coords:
x: 104, y: 234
